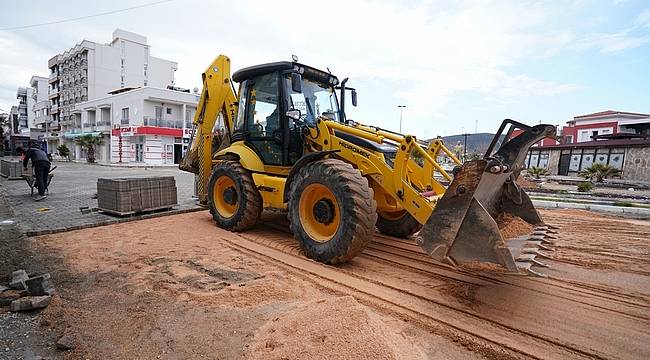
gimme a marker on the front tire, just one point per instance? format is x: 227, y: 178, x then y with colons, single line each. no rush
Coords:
x: 332, y: 211
x: 400, y: 224
x: 234, y: 201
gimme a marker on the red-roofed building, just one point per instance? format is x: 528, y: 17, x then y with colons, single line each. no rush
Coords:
x: 585, y: 127
x: 620, y: 139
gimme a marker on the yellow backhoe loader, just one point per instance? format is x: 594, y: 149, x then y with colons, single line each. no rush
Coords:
x: 282, y: 141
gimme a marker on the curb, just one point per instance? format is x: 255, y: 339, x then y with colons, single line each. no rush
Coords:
x: 632, y: 211
x: 113, y: 221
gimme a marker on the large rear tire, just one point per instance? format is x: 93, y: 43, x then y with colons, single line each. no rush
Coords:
x: 332, y: 211
x: 400, y: 224
x: 234, y: 201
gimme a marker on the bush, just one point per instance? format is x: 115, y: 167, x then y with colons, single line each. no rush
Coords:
x: 586, y: 186
x: 623, y: 203
x: 64, y: 152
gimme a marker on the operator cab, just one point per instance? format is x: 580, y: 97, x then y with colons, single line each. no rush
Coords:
x: 276, y: 101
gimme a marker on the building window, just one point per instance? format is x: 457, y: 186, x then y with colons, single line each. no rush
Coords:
x: 125, y: 116
x: 159, y: 112
x: 169, y: 111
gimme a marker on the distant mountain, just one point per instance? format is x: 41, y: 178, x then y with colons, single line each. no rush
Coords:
x: 476, y: 143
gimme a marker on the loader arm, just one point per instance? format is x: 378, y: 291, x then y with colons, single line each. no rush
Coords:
x: 460, y: 220
x: 218, y: 101
x: 400, y: 182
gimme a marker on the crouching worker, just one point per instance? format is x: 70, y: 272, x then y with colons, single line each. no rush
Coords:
x: 41, y: 166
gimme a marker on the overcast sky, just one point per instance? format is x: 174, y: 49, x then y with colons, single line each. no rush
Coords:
x: 451, y: 63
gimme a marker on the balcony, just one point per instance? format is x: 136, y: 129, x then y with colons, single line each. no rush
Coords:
x: 52, y: 93
x: 124, y: 121
x: 152, y: 121
x: 53, y: 77
x: 54, y: 109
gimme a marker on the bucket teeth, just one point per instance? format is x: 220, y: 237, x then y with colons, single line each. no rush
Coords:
x: 536, y: 252
x: 533, y: 272
x: 527, y: 249
x: 530, y: 257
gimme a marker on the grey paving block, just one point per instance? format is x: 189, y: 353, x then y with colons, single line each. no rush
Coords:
x: 30, y: 303
x: 18, y: 278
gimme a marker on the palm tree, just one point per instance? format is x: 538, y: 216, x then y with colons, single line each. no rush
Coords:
x: 89, y: 142
x: 599, y: 171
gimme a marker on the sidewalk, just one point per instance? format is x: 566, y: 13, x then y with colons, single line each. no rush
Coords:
x: 122, y: 165
x: 73, y: 187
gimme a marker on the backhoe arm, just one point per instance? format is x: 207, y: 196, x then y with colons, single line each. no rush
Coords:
x: 218, y: 103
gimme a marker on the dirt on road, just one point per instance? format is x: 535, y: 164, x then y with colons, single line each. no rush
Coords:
x: 179, y: 287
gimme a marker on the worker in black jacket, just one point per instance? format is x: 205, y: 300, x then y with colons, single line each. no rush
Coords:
x: 41, y: 166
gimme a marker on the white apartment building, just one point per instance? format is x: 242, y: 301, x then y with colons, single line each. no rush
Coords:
x: 41, y: 107
x: 91, y: 70
x: 25, y: 114
x: 147, y: 125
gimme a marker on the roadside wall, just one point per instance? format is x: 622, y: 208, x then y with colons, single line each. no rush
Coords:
x: 637, y: 164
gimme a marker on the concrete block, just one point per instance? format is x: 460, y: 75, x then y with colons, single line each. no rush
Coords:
x: 40, y: 285
x: 6, y: 297
x: 66, y: 342
x: 30, y: 303
x: 18, y: 278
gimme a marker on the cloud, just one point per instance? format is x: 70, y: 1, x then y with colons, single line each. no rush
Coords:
x: 643, y: 20
x: 425, y: 54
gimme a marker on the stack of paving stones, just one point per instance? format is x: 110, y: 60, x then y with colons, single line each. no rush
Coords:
x: 126, y: 196
x: 12, y: 169
x: 27, y: 292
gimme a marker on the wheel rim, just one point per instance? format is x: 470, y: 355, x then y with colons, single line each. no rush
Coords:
x: 319, y: 212
x: 397, y: 215
x: 224, y: 196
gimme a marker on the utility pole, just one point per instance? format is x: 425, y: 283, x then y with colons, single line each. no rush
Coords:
x: 475, y: 126
x: 465, y: 135
x: 401, y: 107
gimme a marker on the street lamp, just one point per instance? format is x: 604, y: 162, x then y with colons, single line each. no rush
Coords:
x: 401, y: 107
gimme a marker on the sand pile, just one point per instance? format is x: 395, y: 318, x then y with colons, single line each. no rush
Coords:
x: 337, y: 328
x: 512, y: 226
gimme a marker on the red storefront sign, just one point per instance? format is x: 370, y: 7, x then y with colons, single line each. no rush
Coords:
x: 146, y: 130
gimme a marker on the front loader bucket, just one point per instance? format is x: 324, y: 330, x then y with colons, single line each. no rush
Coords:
x: 463, y: 229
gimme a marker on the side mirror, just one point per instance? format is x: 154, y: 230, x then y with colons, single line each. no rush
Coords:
x: 296, y: 82
x: 354, y: 97
x: 294, y: 113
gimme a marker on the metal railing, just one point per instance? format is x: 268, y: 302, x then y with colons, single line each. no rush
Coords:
x: 124, y: 121
x: 152, y: 121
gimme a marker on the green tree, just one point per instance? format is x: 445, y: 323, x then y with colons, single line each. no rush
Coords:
x: 600, y: 172
x: 536, y: 171
x: 89, y: 142
x: 63, y: 151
